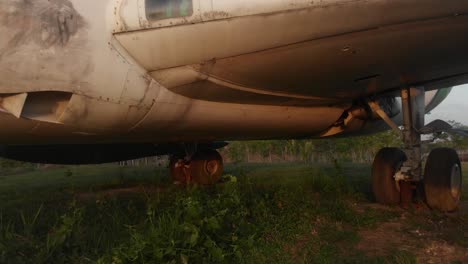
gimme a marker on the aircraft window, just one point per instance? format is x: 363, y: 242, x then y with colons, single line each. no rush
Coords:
x: 163, y: 9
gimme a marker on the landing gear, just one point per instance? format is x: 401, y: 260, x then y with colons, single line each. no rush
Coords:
x: 397, y: 174
x: 204, y: 167
x: 387, y: 162
x: 443, y: 180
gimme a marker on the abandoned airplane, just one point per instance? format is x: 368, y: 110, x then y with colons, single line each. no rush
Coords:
x: 85, y: 81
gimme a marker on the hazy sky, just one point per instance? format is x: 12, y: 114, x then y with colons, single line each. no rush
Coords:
x: 455, y: 107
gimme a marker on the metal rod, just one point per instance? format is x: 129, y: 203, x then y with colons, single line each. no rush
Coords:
x: 413, y: 107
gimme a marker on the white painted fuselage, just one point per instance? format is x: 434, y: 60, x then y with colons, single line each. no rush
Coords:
x: 75, y: 71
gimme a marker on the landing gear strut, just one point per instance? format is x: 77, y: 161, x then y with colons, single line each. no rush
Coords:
x: 204, y: 167
x: 397, y: 175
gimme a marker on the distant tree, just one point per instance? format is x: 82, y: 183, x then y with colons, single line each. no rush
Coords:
x: 6, y: 163
x: 237, y: 151
x: 360, y: 149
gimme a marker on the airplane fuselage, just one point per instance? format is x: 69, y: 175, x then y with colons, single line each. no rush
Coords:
x: 76, y: 71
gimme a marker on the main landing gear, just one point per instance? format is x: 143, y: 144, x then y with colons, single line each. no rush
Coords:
x: 397, y: 175
x: 203, y: 166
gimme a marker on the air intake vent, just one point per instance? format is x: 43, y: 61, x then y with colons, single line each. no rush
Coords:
x: 41, y: 106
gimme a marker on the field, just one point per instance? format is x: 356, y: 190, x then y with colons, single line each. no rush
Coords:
x: 283, y: 213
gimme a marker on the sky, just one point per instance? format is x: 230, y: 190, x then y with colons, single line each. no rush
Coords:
x: 455, y: 107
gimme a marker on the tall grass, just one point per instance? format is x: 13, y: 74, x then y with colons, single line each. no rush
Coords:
x: 274, y: 215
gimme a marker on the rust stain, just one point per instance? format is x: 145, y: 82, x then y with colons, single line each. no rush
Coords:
x: 45, y: 43
x: 46, y: 23
x: 216, y: 14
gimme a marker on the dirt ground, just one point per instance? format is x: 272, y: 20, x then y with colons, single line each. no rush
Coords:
x: 422, y: 234
x: 416, y: 230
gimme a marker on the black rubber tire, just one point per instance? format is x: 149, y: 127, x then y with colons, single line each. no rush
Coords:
x: 201, y: 171
x: 386, y: 163
x: 438, y: 179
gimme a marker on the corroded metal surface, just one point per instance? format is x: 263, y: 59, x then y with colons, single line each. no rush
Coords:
x: 225, y: 70
x: 406, y: 193
x: 43, y: 42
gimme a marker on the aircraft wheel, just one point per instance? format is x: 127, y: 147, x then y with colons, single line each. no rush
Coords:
x: 443, y: 179
x: 206, y: 167
x: 178, y: 170
x: 386, y: 163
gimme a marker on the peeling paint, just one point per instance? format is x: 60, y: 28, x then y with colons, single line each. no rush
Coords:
x: 46, y: 23
x: 43, y: 41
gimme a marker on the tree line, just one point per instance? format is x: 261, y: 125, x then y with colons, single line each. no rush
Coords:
x: 359, y: 149
x: 352, y: 149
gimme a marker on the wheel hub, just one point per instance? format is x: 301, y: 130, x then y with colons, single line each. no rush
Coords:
x: 212, y: 167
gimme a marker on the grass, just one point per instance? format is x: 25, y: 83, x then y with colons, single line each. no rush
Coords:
x: 283, y: 213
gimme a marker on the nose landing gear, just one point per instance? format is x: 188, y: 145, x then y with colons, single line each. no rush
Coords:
x: 204, y: 167
x: 397, y: 174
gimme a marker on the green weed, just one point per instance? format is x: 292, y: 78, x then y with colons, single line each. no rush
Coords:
x: 292, y: 213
